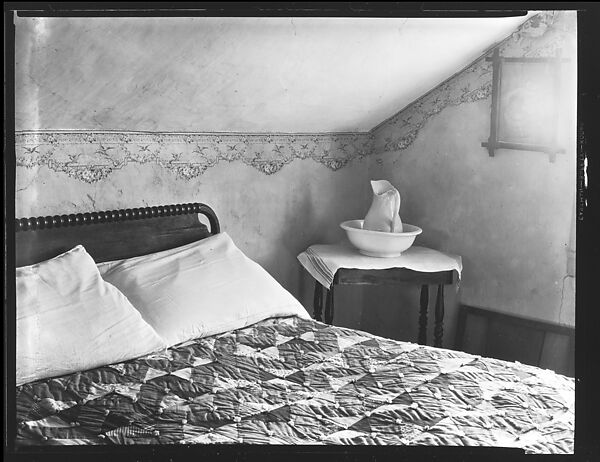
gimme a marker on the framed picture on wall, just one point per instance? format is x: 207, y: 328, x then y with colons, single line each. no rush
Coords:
x: 525, y: 108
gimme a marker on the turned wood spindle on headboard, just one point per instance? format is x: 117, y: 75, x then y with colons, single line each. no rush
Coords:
x: 113, y: 234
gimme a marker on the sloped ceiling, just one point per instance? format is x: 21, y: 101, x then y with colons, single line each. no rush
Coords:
x: 236, y: 74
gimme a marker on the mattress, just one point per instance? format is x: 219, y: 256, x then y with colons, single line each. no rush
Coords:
x: 297, y: 381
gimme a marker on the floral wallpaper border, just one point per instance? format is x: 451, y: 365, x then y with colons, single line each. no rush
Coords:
x: 91, y: 156
x: 542, y: 35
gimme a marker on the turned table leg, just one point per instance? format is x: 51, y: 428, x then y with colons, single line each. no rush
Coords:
x: 439, y: 317
x: 318, y: 302
x: 423, y: 314
x: 329, y: 306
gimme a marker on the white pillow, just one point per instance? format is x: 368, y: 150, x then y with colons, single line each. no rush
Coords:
x: 69, y: 319
x: 200, y: 289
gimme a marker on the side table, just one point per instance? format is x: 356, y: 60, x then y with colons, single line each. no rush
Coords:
x: 346, y: 276
x: 342, y: 264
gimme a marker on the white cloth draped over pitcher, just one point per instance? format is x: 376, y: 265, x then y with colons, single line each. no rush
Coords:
x: 384, y: 214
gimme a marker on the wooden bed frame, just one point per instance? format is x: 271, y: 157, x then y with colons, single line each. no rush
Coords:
x: 106, y: 235
x: 114, y: 234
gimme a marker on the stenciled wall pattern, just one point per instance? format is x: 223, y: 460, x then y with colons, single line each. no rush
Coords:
x: 91, y: 156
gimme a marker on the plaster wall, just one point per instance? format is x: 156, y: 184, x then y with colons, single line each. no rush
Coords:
x: 511, y: 216
x: 271, y: 218
x: 235, y: 74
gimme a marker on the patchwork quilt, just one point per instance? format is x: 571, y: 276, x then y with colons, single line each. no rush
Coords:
x: 295, y: 381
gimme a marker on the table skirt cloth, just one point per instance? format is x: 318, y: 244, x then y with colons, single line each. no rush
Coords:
x: 322, y: 261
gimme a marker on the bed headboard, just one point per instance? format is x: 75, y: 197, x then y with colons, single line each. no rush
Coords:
x: 114, y: 234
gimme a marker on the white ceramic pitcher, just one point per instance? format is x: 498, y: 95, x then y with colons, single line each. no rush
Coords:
x: 384, y: 212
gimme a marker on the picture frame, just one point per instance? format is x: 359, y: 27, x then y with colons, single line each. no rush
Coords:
x: 525, y: 112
